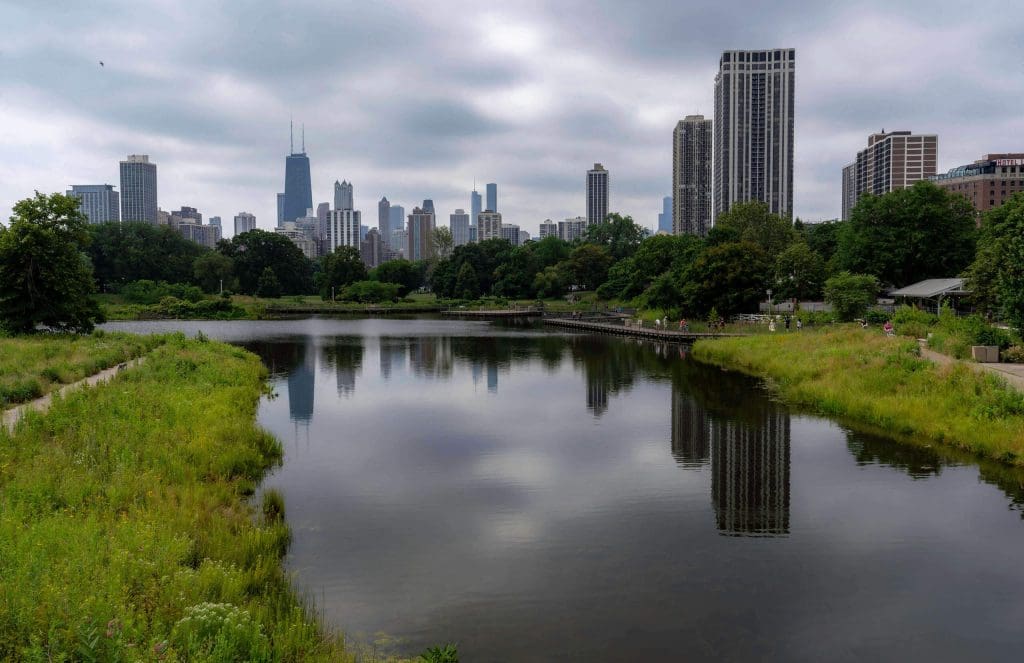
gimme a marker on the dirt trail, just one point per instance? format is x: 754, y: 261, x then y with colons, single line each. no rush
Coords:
x: 11, y: 417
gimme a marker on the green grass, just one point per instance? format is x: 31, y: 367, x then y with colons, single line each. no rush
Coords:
x: 31, y: 366
x: 882, y: 384
x: 125, y: 530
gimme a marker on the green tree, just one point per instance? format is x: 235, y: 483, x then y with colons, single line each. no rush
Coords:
x: 408, y: 275
x: 799, y: 272
x: 254, y: 251
x: 443, y: 241
x: 588, y: 264
x: 908, y: 235
x: 467, y: 286
x: 370, y: 292
x: 822, y: 238
x: 212, y: 269
x: 731, y: 278
x: 339, y: 269
x: 851, y: 294
x: 619, y: 234
x: 551, y: 282
x: 268, y: 285
x: 996, y: 278
x: 45, y: 276
x: 753, y: 222
x: 125, y: 252
x: 485, y: 257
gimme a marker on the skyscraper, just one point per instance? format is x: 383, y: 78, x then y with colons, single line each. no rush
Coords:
x: 343, y: 195
x: 665, y: 217
x: 548, y: 228
x: 597, y: 194
x: 753, y: 146
x: 343, y: 229
x: 458, y: 223
x: 244, y: 222
x: 691, y: 176
x: 421, y: 232
x: 891, y: 161
x: 428, y: 205
x: 298, y: 189
x: 99, y: 202
x: 492, y: 197
x: 323, y: 219
x: 214, y: 221
x: 384, y: 220
x: 138, y: 189
x: 488, y: 225
x: 510, y: 233
x: 475, y: 206
x: 397, y: 216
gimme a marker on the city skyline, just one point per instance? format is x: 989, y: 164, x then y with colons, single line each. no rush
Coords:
x: 68, y: 121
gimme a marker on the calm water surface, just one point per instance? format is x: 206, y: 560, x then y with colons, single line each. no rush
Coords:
x: 537, y: 496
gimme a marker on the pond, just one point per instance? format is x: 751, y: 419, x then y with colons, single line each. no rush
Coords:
x: 533, y: 495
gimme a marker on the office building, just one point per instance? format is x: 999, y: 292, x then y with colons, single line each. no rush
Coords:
x: 524, y: 237
x: 371, y: 249
x: 987, y: 182
x: 384, y: 220
x: 420, y: 237
x: 280, y: 208
x: 399, y: 241
x: 473, y: 234
x: 99, y: 202
x: 244, y: 222
x: 597, y: 194
x: 214, y: 221
x: 343, y: 198
x: 475, y: 206
x: 492, y: 197
x: 298, y: 189
x: 299, y: 236
x: 488, y: 225
x: 510, y: 233
x: 571, y: 230
x: 691, y: 176
x: 753, y: 129
x: 548, y: 228
x: 891, y: 161
x: 458, y: 223
x: 195, y: 231
x: 186, y: 215
x: 323, y: 219
x: 396, y: 214
x: 343, y: 229
x: 665, y: 216
x: 138, y: 189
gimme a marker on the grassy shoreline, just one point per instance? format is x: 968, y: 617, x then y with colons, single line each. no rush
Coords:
x: 882, y: 384
x: 125, y: 530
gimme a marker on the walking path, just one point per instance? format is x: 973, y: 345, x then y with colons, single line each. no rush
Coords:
x: 644, y: 332
x: 1012, y: 373
x: 11, y: 417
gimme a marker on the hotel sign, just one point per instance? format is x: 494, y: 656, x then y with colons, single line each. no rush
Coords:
x: 1010, y: 162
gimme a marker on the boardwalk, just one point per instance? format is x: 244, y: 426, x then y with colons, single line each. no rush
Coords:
x: 639, y: 332
x: 494, y: 313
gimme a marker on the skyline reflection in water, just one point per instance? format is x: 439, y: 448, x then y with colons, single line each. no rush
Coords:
x: 535, y: 496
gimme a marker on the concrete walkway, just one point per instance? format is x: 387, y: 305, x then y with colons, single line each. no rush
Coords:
x: 1012, y: 373
x: 10, y: 418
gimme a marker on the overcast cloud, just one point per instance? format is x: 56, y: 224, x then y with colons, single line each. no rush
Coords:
x: 414, y: 100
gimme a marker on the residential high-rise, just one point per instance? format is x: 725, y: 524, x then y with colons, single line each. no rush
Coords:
x: 371, y: 249
x: 492, y: 197
x: 323, y: 220
x: 891, y: 161
x: 298, y: 189
x: 475, y: 206
x: 987, y: 182
x: 280, y: 208
x: 99, y: 202
x: 138, y: 189
x: 524, y: 237
x: 597, y: 194
x: 510, y: 233
x: 244, y: 222
x: 343, y: 198
x: 399, y: 241
x: 343, y: 229
x: 488, y: 225
x: 458, y: 223
x: 384, y: 220
x: 572, y: 229
x: 691, y: 176
x: 548, y: 228
x: 753, y: 145
x: 421, y: 232
x: 428, y: 205
x: 397, y: 221
x: 299, y: 236
x: 665, y: 217
x: 214, y: 221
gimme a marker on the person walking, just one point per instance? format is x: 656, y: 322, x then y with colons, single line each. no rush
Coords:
x: 771, y: 324
x: 787, y: 322
x: 799, y: 324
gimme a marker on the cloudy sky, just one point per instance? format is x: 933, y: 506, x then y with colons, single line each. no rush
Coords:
x: 416, y: 99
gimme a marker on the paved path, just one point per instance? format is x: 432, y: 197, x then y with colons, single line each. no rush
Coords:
x: 643, y: 332
x: 1012, y: 373
x: 9, y: 418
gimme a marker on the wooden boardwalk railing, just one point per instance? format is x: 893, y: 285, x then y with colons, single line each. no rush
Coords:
x: 639, y: 332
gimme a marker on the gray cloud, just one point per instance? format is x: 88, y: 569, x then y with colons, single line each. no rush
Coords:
x: 413, y: 100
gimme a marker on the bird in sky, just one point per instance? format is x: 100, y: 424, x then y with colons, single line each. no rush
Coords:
x: 101, y: 63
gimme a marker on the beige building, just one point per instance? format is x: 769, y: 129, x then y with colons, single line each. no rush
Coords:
x: 987, y: 182
x: 891, y: 161
x: 488, y: 225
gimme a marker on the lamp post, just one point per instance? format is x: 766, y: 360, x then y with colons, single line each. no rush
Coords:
x: 769, y: 291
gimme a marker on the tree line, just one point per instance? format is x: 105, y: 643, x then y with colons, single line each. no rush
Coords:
x: 50, y: 256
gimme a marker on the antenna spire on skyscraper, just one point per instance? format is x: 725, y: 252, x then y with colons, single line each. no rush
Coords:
x: 303, y: 137
x: 291, y: 136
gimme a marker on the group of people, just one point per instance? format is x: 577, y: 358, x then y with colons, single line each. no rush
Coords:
x: 788, y: 321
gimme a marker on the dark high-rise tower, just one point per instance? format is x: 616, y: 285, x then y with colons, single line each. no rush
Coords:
x: 298, y: 189
x: 691, y: 176
x: 492, y: 197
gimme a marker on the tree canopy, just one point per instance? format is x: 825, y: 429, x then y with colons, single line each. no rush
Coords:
x: 254, y: 251
x: 126, y: 252
x: 339, y: 269
x: 996, y: 276
x: 45, y: 276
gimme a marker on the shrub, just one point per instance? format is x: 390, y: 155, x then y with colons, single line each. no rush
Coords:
x: 905, y: 315
x: 145, y: 291
x: 851, y: 294
x: 220, y: 632
x: 370, y: 292
x: 1014, y: 354
x: 876, y: 317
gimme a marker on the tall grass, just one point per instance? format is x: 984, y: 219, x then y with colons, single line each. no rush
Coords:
x: 31, y: 366
x: 125, y: 533
x: 882, y: 383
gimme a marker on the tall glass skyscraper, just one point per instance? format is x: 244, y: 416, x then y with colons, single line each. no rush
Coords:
x: 492, y: 197
x: 298, y: 189
x: 138, y: 189
x: 597, y: 194
x: 99, y: 202
x: 475, y: 202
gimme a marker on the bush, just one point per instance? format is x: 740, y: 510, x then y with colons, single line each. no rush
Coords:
x: 149, y: 292
x: 851, y: 294
x: 906, y: 315
x: 370, y: 292
x: 876, y: 317
x: 1014, y: 354
x: 220, y: 632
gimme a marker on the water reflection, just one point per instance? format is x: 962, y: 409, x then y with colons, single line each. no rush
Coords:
x: 301, y: 382
x: 344, y: 354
